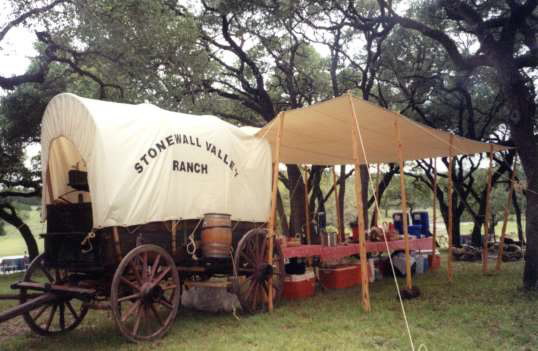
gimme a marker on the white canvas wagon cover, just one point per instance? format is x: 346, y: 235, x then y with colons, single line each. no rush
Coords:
x: 147, y: 164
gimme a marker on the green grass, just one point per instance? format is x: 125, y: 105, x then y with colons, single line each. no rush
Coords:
x: 12, y: 243
x: 474, y: 312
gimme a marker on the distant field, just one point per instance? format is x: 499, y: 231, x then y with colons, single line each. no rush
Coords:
x: 13, y: 244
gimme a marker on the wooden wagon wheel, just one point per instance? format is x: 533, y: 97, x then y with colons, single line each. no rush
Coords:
x: 58, y: 316
x: 145, y: 293
x: 254, y: 271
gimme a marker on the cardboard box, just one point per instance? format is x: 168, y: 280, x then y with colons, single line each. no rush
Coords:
x: 341, y: 277
x: 299, y: 286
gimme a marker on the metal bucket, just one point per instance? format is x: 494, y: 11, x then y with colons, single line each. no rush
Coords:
x: 216, y: 235
x: 328, y: 239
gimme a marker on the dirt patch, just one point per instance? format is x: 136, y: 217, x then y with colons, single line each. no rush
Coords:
x: 13, y: 327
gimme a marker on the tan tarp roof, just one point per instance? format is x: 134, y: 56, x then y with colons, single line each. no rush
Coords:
x: 321, y: 134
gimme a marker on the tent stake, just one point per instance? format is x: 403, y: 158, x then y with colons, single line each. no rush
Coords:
x: 488, y: 215
x: 336, y: 199
x: 403, y: 195
x: 360, y: 213
x: 434, y: 219
x: 449, y: 200
x: 505, y: 219
x: 271, y: 224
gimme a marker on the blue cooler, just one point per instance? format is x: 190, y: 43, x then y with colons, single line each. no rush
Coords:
x: 422, y: 218
x: 397, y: 219
x: 415, y: 230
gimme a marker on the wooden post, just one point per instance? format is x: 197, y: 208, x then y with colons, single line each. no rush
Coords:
x: 488, y: 215
x: 434, y: 203
x: 308, y: 229
x: 375, y: 213
x: 336, y: 199
x: 403, y: 195
x: 360, y: 213
x: 117, y: 247
x: 449, y: 200
x: 272, y: 216
x: 505, y: 219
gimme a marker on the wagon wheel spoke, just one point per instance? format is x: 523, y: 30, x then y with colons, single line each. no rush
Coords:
x: 46, y: 272
x: 144, y: 265
x: 164, y: 301
x: 40, y: 312
x: 254, y: 294
x: 249, y: 260
x: 129, y: 297
x: 51, y: 316
x: 156, y: 314
x: 130, y: 283
x: 161, y: 276
x: 168, y: 287
x: 134, y: 307
x: 263, y: 250
x: 62, y: 316
x: 71, y: 309
x: 138, y: 319
x: 136, y: 273
x: 155, y: 266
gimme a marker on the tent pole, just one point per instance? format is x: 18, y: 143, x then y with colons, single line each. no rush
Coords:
x: 337, y: 203
x: 505, y: 219
x: 272, y: 217
x: 434, y: 203
x: 488, y: 215
x: 360, y: 213
x: 403, y: 196
x: 449, y: 200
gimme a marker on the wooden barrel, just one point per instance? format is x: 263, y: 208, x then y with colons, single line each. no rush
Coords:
x: 216, y: 235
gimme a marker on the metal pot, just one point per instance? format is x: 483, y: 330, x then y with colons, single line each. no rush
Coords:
x: 328, y: 239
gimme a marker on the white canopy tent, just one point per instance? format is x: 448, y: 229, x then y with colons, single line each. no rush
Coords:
x: 146, y: 164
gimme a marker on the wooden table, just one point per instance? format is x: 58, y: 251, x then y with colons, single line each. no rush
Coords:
x: 339, y: 251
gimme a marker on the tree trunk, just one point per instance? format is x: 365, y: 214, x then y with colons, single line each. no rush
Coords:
x: 297, y: 208
x: 341, y: 198
x: 12, y: 218
x: 517, y: 211
x: 522, y: 127
x: 282, y: 215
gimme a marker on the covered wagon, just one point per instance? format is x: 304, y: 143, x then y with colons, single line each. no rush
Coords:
x: 140, y: 203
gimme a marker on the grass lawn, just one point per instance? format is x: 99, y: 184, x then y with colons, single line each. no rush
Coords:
x: 475, y: 312
x: 13, y: 244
